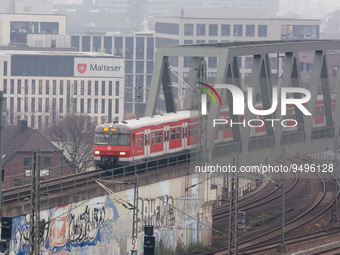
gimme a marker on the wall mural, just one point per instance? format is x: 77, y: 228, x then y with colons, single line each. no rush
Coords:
x: 101, y: 226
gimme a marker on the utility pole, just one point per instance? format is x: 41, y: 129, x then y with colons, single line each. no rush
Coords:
x: 336, y: 169
x: 60, y: 163
x: 233, y: 211
x: 34, y: 240
x: 135, y: 212
x: 1, y: 129
x: 282, y: 247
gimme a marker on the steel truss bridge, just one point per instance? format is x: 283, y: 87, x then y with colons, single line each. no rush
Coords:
x: 250, y: 149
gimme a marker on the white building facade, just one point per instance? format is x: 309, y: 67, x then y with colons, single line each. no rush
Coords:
x: 42, y: 87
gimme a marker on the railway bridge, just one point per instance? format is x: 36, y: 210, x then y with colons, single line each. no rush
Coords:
x: 85, y: 210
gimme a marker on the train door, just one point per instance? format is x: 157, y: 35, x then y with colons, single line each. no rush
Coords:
x: 184, y: 135
x: 166, y: 139
x: 147, y: 143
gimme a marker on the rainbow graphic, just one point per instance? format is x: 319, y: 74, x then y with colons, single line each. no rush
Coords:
x: 213, y: 90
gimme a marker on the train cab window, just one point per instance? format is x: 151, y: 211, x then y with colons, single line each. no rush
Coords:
x: 140, y: 140
x: 319, y: 112
x: 178, y: 133
x: 173, y: 134
x: 227, y: 126
x: 159, y: 137
x: 101, y: 139
x: 120, y: 139
x: 191, y: 131
x: 154, y: 137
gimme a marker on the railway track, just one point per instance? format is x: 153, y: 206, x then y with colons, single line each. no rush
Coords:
x: 266, y: 240
x: 257, y: 202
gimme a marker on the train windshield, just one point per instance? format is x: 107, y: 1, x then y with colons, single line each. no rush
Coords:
x: 120, y: 139
x: 101, y: 139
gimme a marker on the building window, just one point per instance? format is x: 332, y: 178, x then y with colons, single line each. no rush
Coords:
x: 18, y: 104
x: 128, y: 81
x: 82, y: 88
x: 262, y: 31
x: 103, y: 88
x: 47, y: 162
x: 140, y: 48
x: 97, y: 44
x: 128, y: 66
x: 88, y: 105
x: 212, y: 62
x: 75, y: 88
x: 211, y: 77
x: 128, y: 47
x: 12, y: 86
x: 103, y: 105
x: 47, y: 105
x: 5, y: 86
x: 225, y: 30
x: 117, y: 106
x: 32, y: 121
x: 39, y: 104
x: 109, y: 110
x: 39, y: 122
x: 27, y: 162
x: 47, y: 85
x: 250, y: 30
x: 96, y: 88
x: 33, y: 87
x: 61, y: 88
x: 89, y: 88
x: 110, y: 88
x: 107, y: 45
x: 213, y: 29
x: 40, y: 87
x: 26, y: 104
x: 186, y: 61
x: 19, y: 87
x: 47, y: 121
x: 149, y: 66
x: 248, y: 62
x: 188, y: 41
x: 335, y: 70
x: 96, y: 105
x: 86, y: 42
x: 118, y: 50
x: 117, y: 88
x: 200, y: 41
x: 61, y: 105
x: 200, y: 30
x: 150, y: 48
x: 54, y: 87
x: 188, y: 29
x: 5, y: 68
x: 237, y: 30
x: 139, y: 66
x: 32, y: 104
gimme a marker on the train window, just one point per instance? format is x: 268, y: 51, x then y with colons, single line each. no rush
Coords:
x: 101, y: 139
x: 154, y: 137
x: 140, y: 140
x: 191, y: 131
x: 120, y: 139
x: 196, y: 130
x: 226, y: 126
x: 178, y: 133
x: 159, y: 137
x: 133, y: 139
x: 173, y: 136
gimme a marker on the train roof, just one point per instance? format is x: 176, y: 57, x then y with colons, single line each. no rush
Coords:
x: 151, y: 120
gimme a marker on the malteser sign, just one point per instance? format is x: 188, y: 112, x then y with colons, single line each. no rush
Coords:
x: 98, y: 67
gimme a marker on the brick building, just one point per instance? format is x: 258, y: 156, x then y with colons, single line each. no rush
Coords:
x: 18, y: 141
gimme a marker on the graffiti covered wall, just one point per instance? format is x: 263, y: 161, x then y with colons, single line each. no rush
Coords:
x: 102, y: 226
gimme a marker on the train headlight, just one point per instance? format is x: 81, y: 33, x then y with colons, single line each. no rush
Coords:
x: 97, y: 152
x: 122, y: 153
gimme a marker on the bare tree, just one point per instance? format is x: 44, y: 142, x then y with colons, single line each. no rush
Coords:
x: 75, y: 135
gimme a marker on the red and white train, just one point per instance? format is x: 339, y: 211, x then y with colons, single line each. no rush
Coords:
x: 147, y: 138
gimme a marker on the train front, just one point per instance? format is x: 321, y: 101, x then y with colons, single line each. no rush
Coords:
x: 112, y: 145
